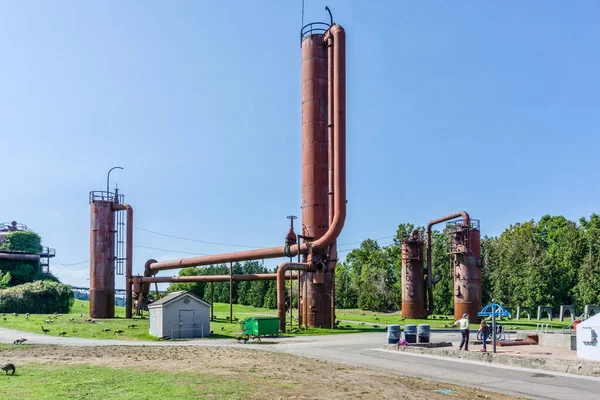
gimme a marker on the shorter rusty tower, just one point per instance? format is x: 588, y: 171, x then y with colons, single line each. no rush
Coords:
x: 464, y: 246
x: 413, y: 280
x: 107, y: 251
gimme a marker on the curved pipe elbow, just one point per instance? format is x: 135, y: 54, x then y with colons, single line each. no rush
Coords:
x: 467, y: 221
x: 283, y: 268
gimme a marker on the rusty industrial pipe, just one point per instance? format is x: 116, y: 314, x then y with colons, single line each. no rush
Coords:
x: 338, y: 35
x: 283, y: 268
x: 19, y: 257
x: 330, y: 162
x: 467, y: 221
x: 128, y: 258
x: 271, y: 252
x: 208, y: 278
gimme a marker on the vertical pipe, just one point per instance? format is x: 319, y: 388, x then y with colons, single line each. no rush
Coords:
x: 299, y: 297
x: 212, y: 301
x: 330, y: 162
x: 281, y: 274
x: 230, y: 292
x: 291, y: 298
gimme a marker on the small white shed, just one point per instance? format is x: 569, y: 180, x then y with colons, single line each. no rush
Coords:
x: 588, y: 334
x: 180, y: 315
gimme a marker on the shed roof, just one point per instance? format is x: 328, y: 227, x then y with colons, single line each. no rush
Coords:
x: 175, y: 295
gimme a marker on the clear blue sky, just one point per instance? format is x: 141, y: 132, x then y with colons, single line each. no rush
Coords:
x: 490, y: 107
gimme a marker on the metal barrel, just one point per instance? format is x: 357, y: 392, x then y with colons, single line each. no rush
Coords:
x: 423, y: 333
x: 410, y: 333
x: 393, y: 334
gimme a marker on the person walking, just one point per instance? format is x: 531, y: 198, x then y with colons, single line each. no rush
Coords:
x: 463, y: 324
x: 485, y: 331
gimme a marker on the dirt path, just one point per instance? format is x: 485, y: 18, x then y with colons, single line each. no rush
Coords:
x: 278, y: 375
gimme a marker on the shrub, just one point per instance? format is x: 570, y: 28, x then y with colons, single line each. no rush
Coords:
x: 29, y: 242
x: 39, y: 297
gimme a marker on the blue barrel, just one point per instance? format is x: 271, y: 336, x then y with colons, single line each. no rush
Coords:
x: 410, y: 333
x: 423, y: 333
x: 393, y: 334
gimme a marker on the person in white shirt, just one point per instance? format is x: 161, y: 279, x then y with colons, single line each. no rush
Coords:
x: 464, y: 331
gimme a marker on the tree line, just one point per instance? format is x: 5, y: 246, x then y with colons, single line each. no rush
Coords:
x: 255, y: 293
x: 552, y: 261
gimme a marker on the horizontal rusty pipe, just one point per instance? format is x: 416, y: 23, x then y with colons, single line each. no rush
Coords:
x: 19, y: 257
x: 128, y: 257
x: 207, y: 278
x: 431, y: 223
x: 271, y: 252
x: 283, y: 268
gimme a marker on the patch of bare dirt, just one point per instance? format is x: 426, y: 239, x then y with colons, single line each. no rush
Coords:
x: 277, y: 375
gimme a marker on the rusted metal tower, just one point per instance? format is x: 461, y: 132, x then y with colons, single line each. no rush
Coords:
x: 106, y: 252
x: 464, y: 245
x: 413, y: 283
x: 317, y: 286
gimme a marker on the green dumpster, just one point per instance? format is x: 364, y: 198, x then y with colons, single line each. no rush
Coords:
x: 262, y: 326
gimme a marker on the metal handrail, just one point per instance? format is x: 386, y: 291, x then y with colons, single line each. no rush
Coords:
x: 582, y: 317
x: 101, y: 195
x: 542, y: 327
x: 8, y: 226
x: 314, y: 28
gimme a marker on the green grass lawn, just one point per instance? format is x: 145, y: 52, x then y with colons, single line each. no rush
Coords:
x: 45, y: 381
x: 75, y: 326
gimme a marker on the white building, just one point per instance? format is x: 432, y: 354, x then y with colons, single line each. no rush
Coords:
x: 588, y: 334
x: 180, y: 315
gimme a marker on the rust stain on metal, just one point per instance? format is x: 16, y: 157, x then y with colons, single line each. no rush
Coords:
x: 465, y: 247
x: 102, y: 250
x: 413, y: 285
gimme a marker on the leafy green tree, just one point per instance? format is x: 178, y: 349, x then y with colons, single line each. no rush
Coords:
x: 587, y: 289
x: 375, y: 276
x: 4, y: 280
x: 196, y: 288
x: 346, y: 291
x: 443, y: 290
x: 489, y: 257
x: 523, y: 274
x: 270, y: 300
x: 563, y: 242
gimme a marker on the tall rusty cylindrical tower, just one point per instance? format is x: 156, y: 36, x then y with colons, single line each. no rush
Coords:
x: 413, y: 283
x: 102, y: 257
x: 315, y: 181
x: 465, y: 244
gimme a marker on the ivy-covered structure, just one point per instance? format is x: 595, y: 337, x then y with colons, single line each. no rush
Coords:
x: 19, y: 244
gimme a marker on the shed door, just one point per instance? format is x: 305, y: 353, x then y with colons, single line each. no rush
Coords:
x: 186, y: 323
